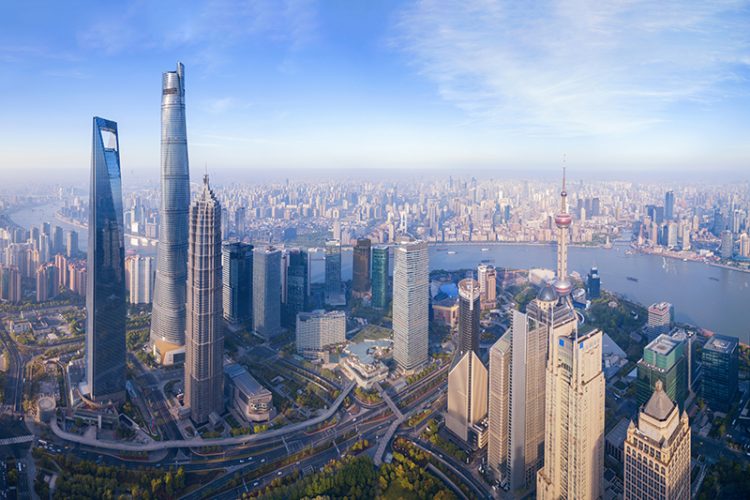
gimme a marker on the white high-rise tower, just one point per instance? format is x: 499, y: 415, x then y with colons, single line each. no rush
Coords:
x: 411, y: 288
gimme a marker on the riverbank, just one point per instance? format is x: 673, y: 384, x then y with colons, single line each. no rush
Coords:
x: 687, y: 257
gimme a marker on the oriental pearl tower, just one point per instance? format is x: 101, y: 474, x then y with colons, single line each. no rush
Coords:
x: 563, y: 219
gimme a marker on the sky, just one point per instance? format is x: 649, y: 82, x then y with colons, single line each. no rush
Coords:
x: 300, y: 84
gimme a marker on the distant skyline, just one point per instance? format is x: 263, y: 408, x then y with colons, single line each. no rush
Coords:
x: 300, y: 84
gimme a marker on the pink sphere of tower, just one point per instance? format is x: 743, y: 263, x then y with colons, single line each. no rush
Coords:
x: 563, y: 220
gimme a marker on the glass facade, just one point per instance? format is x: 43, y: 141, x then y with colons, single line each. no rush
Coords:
x: 380, y: 264
x: 237, y: 269
x: 267, y: 291
x: 468, y: 315
x: 333, y: 268
x: 296, y: 286
x: 663, y: 359
x: 361, y: 267
x: 720, y: 369
x: 105, y: 290
x: 168, y: 316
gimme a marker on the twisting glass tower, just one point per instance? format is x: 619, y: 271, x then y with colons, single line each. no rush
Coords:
x: 105, y: 298
x: 168, y: 316
x: 204, y: 376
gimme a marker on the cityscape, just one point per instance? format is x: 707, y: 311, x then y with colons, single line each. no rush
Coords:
x: 189, y: 329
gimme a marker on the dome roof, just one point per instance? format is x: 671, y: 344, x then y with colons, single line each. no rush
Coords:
x: 547, y: 294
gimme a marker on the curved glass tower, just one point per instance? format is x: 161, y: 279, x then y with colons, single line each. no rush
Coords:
x: 168, y: 316
x: 105, y: 297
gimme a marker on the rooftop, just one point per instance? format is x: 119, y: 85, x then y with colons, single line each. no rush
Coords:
x: 659, y: 406
x: 722, y: 343
x: 663, y: 344
x: 241, y: 378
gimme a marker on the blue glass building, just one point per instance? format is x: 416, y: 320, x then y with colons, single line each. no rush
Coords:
x: 237, y: 269
x: 105, y: 288
x: 297, y: 284
x: 720, y: 358
x: 380, y: 282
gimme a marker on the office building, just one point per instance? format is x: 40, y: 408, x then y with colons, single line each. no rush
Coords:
x: 660, y: 318
x: 71, y: 244
x: 487, y: 278
x: 319, y: 330
x: 664, y: 360
x: 467, y: 398
x: 657, y: 452
x: 727, y: 244
x: 267, y: 291
x: 106, y: 300
x: 47, y: 282
x: 411, y: 290
x: 669, y: 205
x: 720, y: 358
x: 237, y: 282
x: 334, y: 290
x: 593, y: 284
x: 361, y: 268
x: 744, y: 245
x: 468, y: 316
x: 168, y: 315
x: 380, y: 281
x: 204, y: 346
x: 574, y: 398
x: 57, y: 241
x: 139, y: 272
x: 297, y: 286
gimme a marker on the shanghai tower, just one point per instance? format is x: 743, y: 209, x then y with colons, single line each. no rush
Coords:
x: 105, y: 296
x: 168, y: 316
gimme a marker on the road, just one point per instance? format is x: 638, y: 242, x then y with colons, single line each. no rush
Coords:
x: 14, y: 382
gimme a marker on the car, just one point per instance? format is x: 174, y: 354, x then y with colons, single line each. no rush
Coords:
x: 278, y: 473
x: 242, y: 461
x: 262, y: 460
x: 255, y: 484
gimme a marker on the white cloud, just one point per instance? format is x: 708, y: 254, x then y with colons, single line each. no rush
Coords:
x: 575, y: 68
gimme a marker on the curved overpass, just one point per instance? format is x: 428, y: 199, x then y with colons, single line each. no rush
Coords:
x: 200, y: 442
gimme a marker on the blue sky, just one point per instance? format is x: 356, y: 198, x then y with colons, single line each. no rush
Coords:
x: 356, y: 84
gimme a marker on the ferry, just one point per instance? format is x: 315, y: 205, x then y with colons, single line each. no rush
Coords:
x: 451, y: 252
x: 630, y: 278
x: 485, y: 249
x: 712, y: 278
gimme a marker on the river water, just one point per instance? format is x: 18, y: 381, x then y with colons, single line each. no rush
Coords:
x: 709, y: 297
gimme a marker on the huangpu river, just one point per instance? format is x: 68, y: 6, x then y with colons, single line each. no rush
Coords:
x: 709, y: 297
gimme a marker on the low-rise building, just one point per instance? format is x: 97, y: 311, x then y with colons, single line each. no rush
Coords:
x: 318, y: 331
x: 253, y: 401
x: 445, y: 312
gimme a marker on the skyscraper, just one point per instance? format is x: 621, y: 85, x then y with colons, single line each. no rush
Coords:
x: 657, y: 451
x: 106, y: 306
x: 574, y: 409
x: 487, y: 277
x: 361, y: 268
x: 47, y: 282
x: 168, y: 316
x: 468, y: 316
x: 139, y: 271
x: 297, y: 285
x: 727, y: 244
x: 669, y: 205
x: 664, y: 360
x: 333, y: 272
x: 720, y: 358
x: 660, y: 317
x: 380, y: 281
x: 267, y: 291
x: 411, y: 290
x: 467, y: 397
x: 204, y: 371
x: 71, y: 244
x: 237, y: 282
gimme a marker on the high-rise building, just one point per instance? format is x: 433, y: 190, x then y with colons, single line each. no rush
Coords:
x: 10, y: 284
x: 467, y: 398
x: 204, y: 349
x: 380, y: 281
x: 106, y: 301
x: 669, y: 205
x: 237, y: 282
x: 334, y: 290
x: 411, y: 290
x: 727, y: 244
x: 361, y: 268
x: 267, y: 291
x: 57, y: 240
x: 168, y: 316
x: 487, y: 277
x: 660, y: 318
x: 593, y: 284
x: 720, y: 358
x: 468, y: 316
x: 517, y: 374
x: 139, y: 271
x: 657, y: 451
x: 574, y: 392
x: 319, y: 330
x: 664, y: 360
x: 71, y: 244
x: 744, y: 249
x: 47, y: 282
x: 297, y: 286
